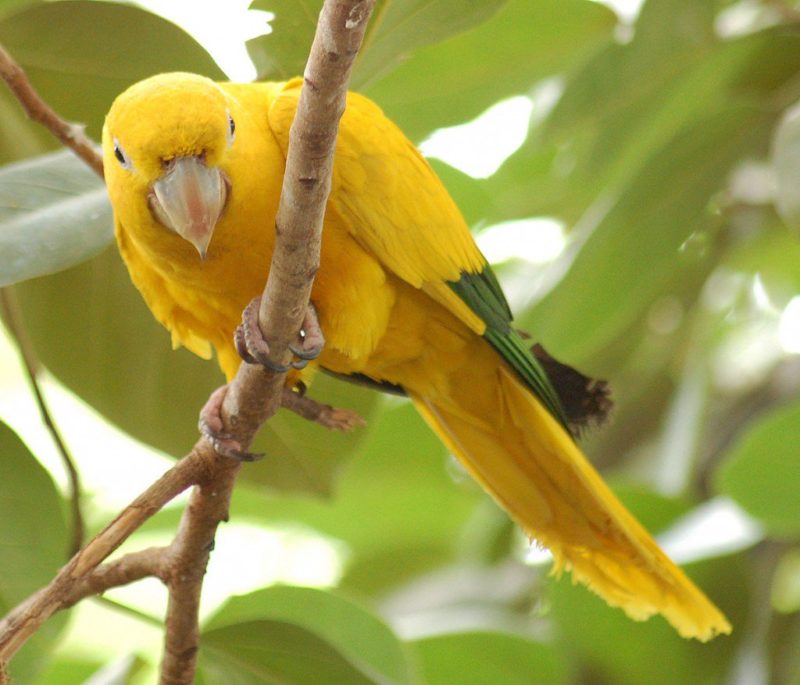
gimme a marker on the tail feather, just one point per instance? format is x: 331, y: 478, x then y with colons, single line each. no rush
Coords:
x: 533, y: 468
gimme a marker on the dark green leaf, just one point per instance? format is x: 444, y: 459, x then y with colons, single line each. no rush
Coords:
x: 399, y: 27
x: 641, y: 246
x: 762, y: 472
x: 481, y: 658
x: 273, y: 652
x: 396, y: 29
x: 54, y: 213
x: 359, y: 636
x: 631, y: 101
x: 79, y: 76
x: 614, y: 649
x: 33, y: 543
x: 455, y: 80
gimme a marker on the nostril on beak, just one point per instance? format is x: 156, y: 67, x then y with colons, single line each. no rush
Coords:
x: 167, y: 163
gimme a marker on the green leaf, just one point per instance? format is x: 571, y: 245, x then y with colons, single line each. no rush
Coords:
x: 761, y: 471
x: 111, y: 352
x: 79, y: 77
x: 397, y: 501
x: 259, y: 652
x: 617, y: 650
x: 282, y: 53
x: 72, y: 671
x: 457, y: 79
x: 54, y: 213
x: 641, y: 247
x: 33, y: 543
x: 470, y: 195
x: 19, y: 138
x: 359, y: 636
x: 398, y: 27
x: 480, y: 658
x: 631, y: 101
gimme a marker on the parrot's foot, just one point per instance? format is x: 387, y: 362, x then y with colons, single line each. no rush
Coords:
x: 324, y: 414
x: 212, y: 428
x: 253, y: 349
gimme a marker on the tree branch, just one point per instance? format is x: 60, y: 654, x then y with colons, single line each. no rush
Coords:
x: 25, y: 619
x: 306, y: 186
x: 254, y: 394
x: 184, y: 568
x: 70, y: 134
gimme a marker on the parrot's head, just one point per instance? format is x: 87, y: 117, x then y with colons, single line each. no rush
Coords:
x: 164, y: 140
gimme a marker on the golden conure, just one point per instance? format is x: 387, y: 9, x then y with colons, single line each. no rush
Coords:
x: 403, y: 295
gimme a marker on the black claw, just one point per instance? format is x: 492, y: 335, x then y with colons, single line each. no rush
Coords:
x: 306, y: 354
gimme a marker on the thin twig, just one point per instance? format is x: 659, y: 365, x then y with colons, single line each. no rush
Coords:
x: 31, y: 364
x: 123, y: 571
x: 72, y: 135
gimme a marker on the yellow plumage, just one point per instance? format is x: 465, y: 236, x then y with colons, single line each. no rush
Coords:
x: 393, y: 245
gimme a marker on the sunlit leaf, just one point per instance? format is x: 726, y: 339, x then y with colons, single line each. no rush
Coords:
x: 482, y: 657
x: 54, y: 213
x: 400, y: 499
x: 762, y: 471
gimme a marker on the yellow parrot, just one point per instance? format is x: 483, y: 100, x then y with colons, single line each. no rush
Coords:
x: 403, y: 297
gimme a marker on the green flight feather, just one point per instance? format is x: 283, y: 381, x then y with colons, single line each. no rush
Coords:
x: 482, y: 293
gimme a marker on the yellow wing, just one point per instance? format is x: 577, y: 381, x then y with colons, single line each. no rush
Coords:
x: 392, y: 202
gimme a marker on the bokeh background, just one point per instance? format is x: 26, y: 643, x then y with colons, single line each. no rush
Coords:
x: 633, y: 171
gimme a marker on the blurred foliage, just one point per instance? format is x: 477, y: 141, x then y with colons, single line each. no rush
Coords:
x: 670, y: 156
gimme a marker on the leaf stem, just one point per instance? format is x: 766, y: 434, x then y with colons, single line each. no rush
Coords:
x: 31, y: 364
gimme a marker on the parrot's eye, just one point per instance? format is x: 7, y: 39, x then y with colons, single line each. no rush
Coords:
x: 122, y: 158
x: 231, y: 129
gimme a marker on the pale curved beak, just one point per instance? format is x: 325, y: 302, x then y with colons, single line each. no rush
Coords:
x: 189, y: 199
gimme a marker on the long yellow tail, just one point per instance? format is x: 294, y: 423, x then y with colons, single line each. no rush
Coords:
x: 511, y: 444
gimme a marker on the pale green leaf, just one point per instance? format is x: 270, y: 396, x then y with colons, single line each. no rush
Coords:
x: 54, y: 213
